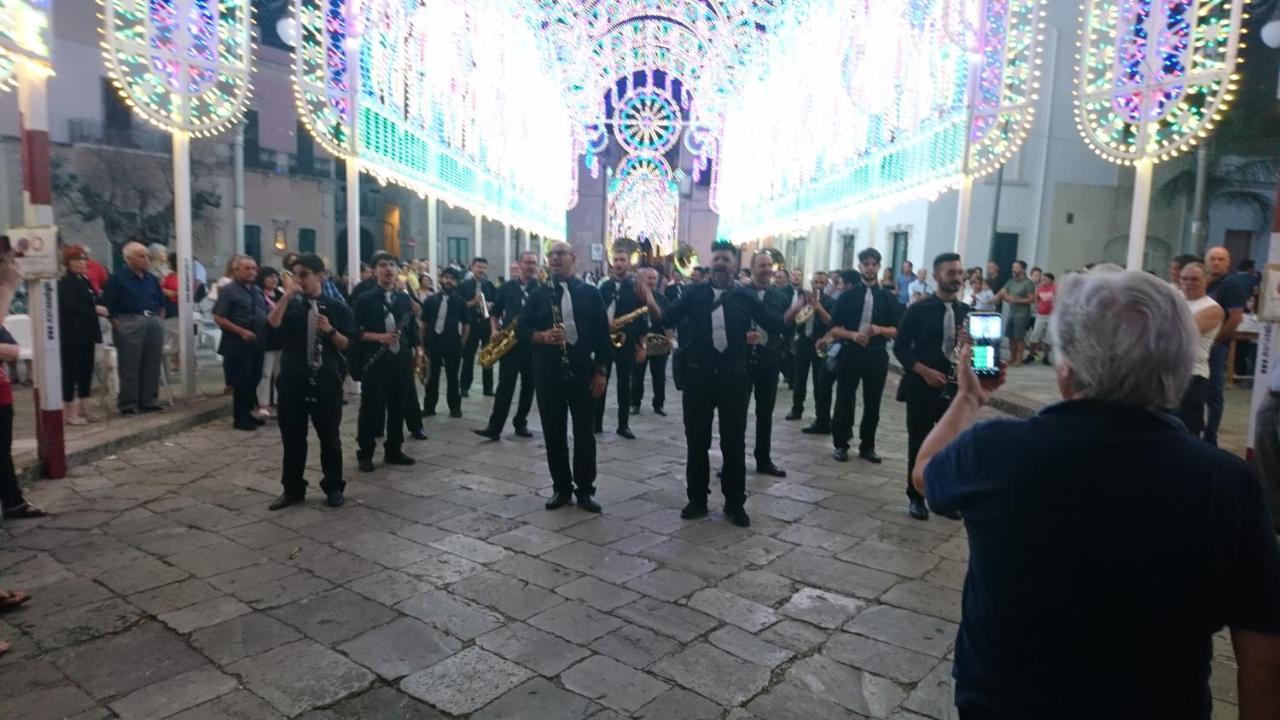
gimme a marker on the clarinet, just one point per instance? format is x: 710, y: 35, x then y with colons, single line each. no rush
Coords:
x: 385, y: 350
x: 313, y: 366
x: 557, y: 322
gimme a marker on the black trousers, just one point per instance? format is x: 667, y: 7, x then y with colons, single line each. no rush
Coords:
x: 478, y: 336
x: 244, y: 371
x: 297, y: 405
x: 705, y: 392
x: 763, y: 374
x: 10, y: 491
x: 624, y: 359
x: 807, y: 361
x: 925, y: 407
x: 678, y: 363
x: 788, y: 364
x: 445, y: 359
x: 558, y: 401
x: 515, y: 365
x: 1193, y: 404
x: 77, y: 369
x: 412, y: 409
x: 867, y: 367
x: 382, y: 405
x: 658, y: 373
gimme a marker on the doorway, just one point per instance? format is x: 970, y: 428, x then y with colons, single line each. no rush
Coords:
x: 1240, y: 244
x: 901, y: 238
x: 1004, y: 250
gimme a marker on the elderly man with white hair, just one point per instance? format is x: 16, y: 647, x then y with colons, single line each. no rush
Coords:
x: 1097, y: 580
x: 135, y: 305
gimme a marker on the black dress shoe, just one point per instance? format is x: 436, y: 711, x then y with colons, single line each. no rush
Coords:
x: 916, y: 509
x: 588, y: 503
x: 693, y: 510
x: 398, y: 458
x: 246, y: 426
x: 523, y: 431
x: 365, y: 464
x: 335, y: 499
x: 559, y: 500
x: 419, y: 434
x: 489, y: 433
x: 455, y: 413
x: 285, y: 501
x: 841, y: 454
x: 737, y: 516
x: 660, y: 411
x: 626, y: 433
x: 768, y: 468
x: 151, y: 409
x: 259, y: 421
x: 795, y: 414
x: 870, y: 456
x: 816, y: 429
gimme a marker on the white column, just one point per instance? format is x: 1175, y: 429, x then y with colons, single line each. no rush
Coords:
x: 478, y: 250
x: 873, y: 229
x: 353, y: 221
x: 182, y: 233
x: 506, y: 250
x: 963, y: 208
x: 833, y: 248
x: 433, y: 236
x: 237, y: 179
x: 1141, y: 209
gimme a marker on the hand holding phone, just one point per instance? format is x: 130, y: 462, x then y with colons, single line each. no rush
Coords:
x: 986, y: 333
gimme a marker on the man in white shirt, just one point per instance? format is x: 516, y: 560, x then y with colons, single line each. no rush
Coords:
x: 920, y: 289
x: 1208, y: 316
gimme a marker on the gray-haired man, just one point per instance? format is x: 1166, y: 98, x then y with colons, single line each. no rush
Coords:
x: 136, y: 306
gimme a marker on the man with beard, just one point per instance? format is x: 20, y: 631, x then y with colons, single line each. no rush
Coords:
x: 444, y: 333
x: 517, y: 364
x: 764, y: 360
x: 657, y: 363
x: 864, y: 321
x: 564, y: 323
x: 927, y: 338
x: 386, y: 320
x: 620, y: 298
x: 478, y: 293
x: 720, y: 314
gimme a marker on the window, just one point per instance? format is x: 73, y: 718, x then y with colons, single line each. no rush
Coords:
x: 900, y: 239
x: 306, y: 147
x: 115, y: 114
x: 306, y: 240
x: 457, y: 250
x: 848, y: 250
x: 253, y: 241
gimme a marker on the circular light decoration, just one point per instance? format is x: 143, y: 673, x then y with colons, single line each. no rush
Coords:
x: 24, y: 35
x: 648, y: 122
x: 183, y: 65
x: 1154, y: 76
x: 644, y: 202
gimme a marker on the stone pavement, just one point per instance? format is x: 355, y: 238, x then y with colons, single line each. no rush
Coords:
x: 164, y: 587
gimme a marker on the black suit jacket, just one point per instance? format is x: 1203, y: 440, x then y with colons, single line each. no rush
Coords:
x: 77, y: 310
x: 741, y: 308
x: 625, y: 295
x: 370, y: 314
x: 451, y: 337
x: 848, y: 313
x: 591, y: 352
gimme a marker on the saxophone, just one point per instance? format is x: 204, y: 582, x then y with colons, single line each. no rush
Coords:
x: 618, y: 338
x: 499, y: 345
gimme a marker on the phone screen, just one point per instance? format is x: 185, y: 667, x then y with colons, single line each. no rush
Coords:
x: 986, y: 330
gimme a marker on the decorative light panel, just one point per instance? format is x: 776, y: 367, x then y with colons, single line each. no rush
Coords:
x: 455, y: 98
x: 183, y: 65
x: 24, y: 32
x: 1154, y: 75
x: 644, y: 202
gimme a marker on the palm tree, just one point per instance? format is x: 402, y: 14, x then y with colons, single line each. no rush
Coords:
x: 1230, y: 182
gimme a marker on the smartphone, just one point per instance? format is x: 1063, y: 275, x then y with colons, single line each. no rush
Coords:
x: 986, y: 331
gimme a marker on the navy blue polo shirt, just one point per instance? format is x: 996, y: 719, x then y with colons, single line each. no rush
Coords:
x: 1106, y: 546
x: 127, y: 293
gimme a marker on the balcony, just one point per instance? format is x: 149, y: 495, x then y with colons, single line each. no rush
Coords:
x: 86, y: 131
x: 316, y: 167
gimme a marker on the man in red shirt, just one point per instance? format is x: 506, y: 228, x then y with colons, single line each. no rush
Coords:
x: 96, y: 273
x: 1044, y: 308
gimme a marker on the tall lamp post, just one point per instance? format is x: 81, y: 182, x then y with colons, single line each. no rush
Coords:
x: 183, y: 66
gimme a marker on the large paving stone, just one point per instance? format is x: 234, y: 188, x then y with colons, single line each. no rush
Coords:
x: 472, y: 549
x: 444, y: 569
x: 861, y: 692
x: 896, y: 663
x: 465, y: 682
x: 508, y: 595
x: 82, y: 623
x: 681, y: 623
x: 446, y: 612
x: 334, y: 616
x: 530, y: 539
x: 240, y: 581
x: 237, y: 705
x: 667, y: 584
x: 751, y: 648
x: 538, y: 699
x: 714, y: 673
x: 927, y: 598
x: 934, y: 695
x: 796, y: 635
x: 598, y: 594
x: 706, y: 564
x: 678, y: 704
x: 832, y: 574
x: 144, y: 574
x: 382, y: 703
x: 790, y: 699
x: 748, y: 615
x: 388, y: 586
x: 100, y: 666
x: 536, y: 571
x: 539, y: 651
x: 824, y: 609
x: 175, y: 694
x: 905, y: 629
x: 204, y: 614
x: 58, y: 597
x: 890, y: 558
x: 612, y: 684
x: 61, y: 701
x: 635, y: 646
x: 301, y: 675
x: 400, y: 647
x: 174, y: 596
x: 575, y: 622
x: 608, y: 565
x: 241, y: 637
x: 763, y: 587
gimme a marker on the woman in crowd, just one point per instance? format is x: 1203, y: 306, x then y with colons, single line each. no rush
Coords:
x: 269, y: 282
x: 78, y: 333
x: 888, y: 282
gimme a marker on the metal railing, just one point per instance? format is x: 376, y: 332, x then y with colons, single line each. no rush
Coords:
x: 88, y: 131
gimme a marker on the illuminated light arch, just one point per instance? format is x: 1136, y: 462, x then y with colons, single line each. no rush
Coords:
x: 456, y: 99
x: 1154, y: 76
x: 199, y: 84
x: 644, y: 202
x: 24, y: 31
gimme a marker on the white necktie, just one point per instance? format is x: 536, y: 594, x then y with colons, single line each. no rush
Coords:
x: 719, y: 338
x: 391, y: 324
x: 566, y: 314
x: 864, y: 325
x: 613, y: 304
x: 764, y: 336
x: 948, y: 331
x: 314, y: 358
x: 442, y: 313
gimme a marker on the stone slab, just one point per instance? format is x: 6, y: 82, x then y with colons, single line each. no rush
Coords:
x: 714, y: 673
x: 466, y: 681
x: 612, y: 684
x: 539, y: 651
x: 401, y: 647
x: 300, y: 676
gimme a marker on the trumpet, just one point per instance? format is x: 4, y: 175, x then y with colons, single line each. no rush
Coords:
x: 499, y: 345
x: 618, y: 337
x: 804, y: 314
x: 656, y: 344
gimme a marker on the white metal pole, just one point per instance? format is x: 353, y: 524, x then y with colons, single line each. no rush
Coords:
x: 237, y: 169
x: 353, y: 221
x: 506, y: 250
x: 873, y: 230
x: 1141, y: 209
x: 479, y: 235
x: 964, y: 206
x: 182, y: 233
x: 433, y: 236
